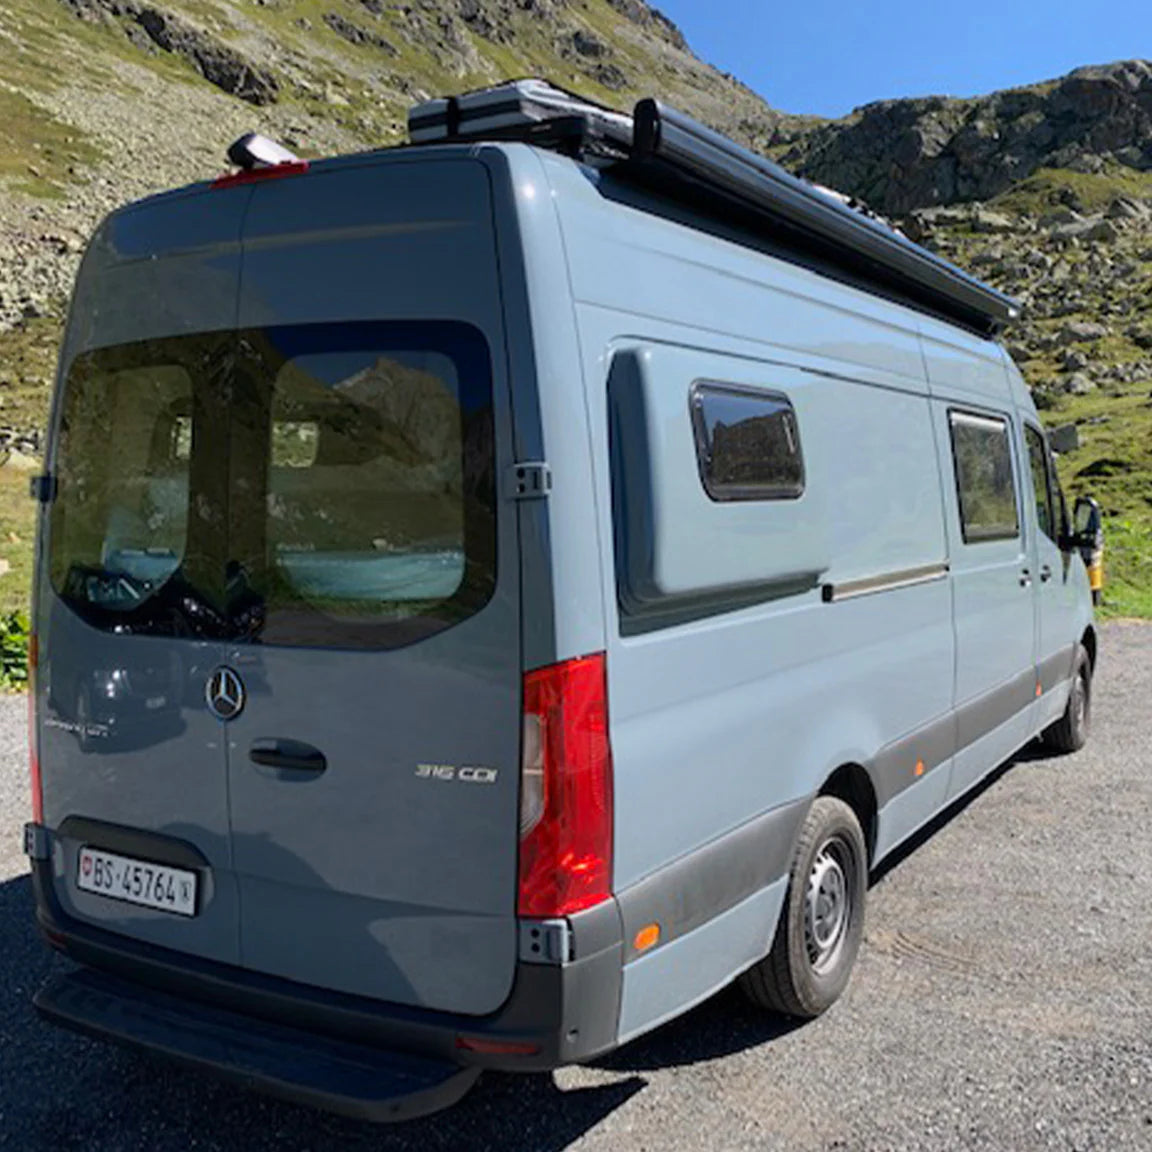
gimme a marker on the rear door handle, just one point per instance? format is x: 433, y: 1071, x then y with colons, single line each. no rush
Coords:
x: 287, y: 754
x: 1045, y: 574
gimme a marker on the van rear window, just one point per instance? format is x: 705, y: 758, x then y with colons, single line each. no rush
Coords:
x: 323, y: 485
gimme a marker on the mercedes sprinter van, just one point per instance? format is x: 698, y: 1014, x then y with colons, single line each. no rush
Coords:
x: 494, y: 592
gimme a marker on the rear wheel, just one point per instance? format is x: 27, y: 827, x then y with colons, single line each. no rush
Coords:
x: 1070, y: 732
x: 823, y: 917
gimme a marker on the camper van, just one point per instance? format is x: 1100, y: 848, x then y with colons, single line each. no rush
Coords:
x: 494, y: 592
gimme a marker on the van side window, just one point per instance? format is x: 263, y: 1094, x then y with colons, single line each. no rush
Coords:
x: 985, y: 485
x: 1038, y: 463
x: 747, y: 443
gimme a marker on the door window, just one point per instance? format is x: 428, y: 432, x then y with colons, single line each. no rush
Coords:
x: 1041, y: 486
x: 985, y: 484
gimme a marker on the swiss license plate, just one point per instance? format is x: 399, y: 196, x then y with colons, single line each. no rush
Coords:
x: 137, y: 881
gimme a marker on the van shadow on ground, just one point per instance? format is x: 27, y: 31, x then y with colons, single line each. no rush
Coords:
x: 62, y: 1090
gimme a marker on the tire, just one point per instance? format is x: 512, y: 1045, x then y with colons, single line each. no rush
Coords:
x: 822, y: 921
x: 1070, y: 732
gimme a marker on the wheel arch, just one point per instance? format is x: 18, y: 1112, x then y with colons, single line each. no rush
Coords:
x: 1089, y: 642
x: 852, y: 784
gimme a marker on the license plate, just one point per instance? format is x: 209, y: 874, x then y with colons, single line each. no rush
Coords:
x: 154, y: 702
x: 137, y: 881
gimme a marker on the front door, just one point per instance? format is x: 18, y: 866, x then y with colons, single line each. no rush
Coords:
x: 1054, y: 587
x: 992, y: 582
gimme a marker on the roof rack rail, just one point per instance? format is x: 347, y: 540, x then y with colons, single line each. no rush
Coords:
x: 659, y: 145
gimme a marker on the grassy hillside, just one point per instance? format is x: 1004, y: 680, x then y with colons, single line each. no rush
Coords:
x: 1076, y: 248
x: 104, y: 101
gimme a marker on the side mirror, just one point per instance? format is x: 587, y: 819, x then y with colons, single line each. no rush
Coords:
x: 1087, y: 519
x: 1087, y: 537
x: 1086, y: 532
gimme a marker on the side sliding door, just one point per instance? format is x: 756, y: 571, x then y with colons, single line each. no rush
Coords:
x: 992, y: 580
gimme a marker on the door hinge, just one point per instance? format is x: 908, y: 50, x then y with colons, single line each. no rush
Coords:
x: 531, y: 480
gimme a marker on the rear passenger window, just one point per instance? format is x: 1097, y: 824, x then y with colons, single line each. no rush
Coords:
x: 985, y: 484
x: 747, y: 443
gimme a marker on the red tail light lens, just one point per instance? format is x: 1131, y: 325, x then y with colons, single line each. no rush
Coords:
x: 33, y: 741
x: 566, y: 790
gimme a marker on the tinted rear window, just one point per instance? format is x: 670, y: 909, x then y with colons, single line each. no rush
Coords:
x: 327, y: 485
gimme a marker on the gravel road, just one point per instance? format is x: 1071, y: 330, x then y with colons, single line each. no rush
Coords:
x: 1003, y: 1000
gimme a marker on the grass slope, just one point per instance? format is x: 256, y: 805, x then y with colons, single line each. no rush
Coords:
x: 365, y: 90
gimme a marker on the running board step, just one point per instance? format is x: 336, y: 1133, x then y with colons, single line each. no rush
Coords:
x: 351, y: 1079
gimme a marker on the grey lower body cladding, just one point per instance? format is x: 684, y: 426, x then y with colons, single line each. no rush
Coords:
x: 938, y: 741
x: 387, y: 1062
x: 708, y: 882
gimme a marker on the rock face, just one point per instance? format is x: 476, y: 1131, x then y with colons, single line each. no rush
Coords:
x: 903, y: 154
x: 219, y: 64
x: 325, y: 76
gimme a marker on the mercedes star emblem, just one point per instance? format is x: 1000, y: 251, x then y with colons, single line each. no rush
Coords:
x: 225, y: 693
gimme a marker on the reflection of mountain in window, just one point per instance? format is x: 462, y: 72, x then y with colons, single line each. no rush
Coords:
x: 759, y: 450
x: 315, y: 484
x: 985, y: 484
x: 748, y: 447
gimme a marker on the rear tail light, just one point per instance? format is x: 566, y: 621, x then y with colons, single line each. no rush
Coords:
x: 566, y: 790
x: 33, y: 739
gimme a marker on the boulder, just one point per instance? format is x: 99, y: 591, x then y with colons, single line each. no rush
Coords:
x: 984, y: 220
x: 17, y: 461
x: 1127, y: 208
x: 1080, y: 332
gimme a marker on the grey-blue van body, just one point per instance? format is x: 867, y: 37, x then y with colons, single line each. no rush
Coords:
x: 753, y: 648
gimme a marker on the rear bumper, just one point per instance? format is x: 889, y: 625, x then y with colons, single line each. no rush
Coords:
x: 556, y: 1014
x: 351, y: 1079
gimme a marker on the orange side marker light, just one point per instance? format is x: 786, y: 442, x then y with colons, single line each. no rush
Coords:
x: 919, y: 767
x: 646, y: 937
x: 1039, y: 690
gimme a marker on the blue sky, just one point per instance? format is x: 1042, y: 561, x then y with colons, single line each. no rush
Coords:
x: 828, y: 57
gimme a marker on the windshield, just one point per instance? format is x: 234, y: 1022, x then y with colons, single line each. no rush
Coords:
x: 324, y: 484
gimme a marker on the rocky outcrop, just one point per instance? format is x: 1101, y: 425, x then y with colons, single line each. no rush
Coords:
x: 354, y: 34
x: 903, y: 154
x: 217, y: 62
x: 651, y: 19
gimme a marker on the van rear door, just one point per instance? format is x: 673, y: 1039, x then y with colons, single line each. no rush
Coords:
x: 373, y: 767
x: 133, y: 763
